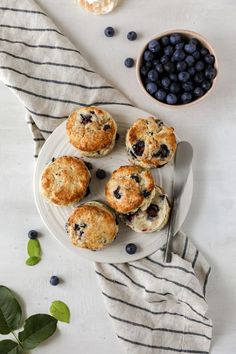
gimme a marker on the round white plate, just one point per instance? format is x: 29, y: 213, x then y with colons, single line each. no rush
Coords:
x: 55, y: 217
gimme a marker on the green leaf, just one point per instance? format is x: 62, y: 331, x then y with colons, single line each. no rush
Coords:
x: 32, y: 261
x: 34, y: 249
x: 10, y: 311
x: 9, y: 347
x: 37, y: 329
x: 60, y: 311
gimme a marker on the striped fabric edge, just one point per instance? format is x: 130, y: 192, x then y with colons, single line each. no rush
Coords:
x: 5, y: 8
x: 32, y: 29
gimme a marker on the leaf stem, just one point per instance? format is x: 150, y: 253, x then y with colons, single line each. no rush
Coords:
x: 17, y: 339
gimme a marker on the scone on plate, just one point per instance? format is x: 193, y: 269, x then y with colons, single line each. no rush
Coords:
x: 154, y: 218
x: 92, y: 131
x: 65, y: 181
x: 150, y: 143
x: 130, y: 188
x: 92, y: 225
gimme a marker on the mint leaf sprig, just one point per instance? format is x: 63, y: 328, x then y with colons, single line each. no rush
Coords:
x: 34, y: 252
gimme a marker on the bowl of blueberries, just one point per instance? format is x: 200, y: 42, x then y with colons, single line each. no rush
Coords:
x: 177, y: 67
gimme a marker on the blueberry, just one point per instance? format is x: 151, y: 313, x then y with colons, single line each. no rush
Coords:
x: 138, y: 148
x: 129, y: 217
x: 181, y: 66
x: 165, y: 40
x: 54, y: 280
x: 88, y: 191
x: 86, y: 118
x: 190, y: 60
x: 199, y: 65
x: 132, y: 36
x: 206, y: 85
x: 169, y: 50
x: 165, y: 82
x: 88, y: 165
x: 164, y: 59
x: 186, y: 97
x: 106, y: 127
x: 148, y: 56
x: 153, y: 75
x: 144, y: 70
x: 163, y: 152
x: 117, y: 136
x: 53, y: 159
x: 184, y: 76
x: 148, y: 64
x: 131, y: 248
x: 191, y: 71
x: 154, y: 46
x: 188, y: 86
x: 198, y: 92
x: 204, y: 51
x: 175, y: 87
x: 101, y: 174
x: 153, y: 210
x: 155, y: 62
x: 194, y: 41
x: 151, y: 88
x: 190, y: 48
x: 116, y: 193
x: 196, y: 55
x: 129, y: 62
x: 109, y: 31
x: 135, y: 177
x: 209, y: 59
x: 199, y: 77
x: 175, y: 38
x: 210, y: 73
x: 160, y: 95
x: 146, y: 193
x: 173, y: 77
x: 169, y: 67
x: 179, y: 45
x: 33, y: 234
x: 171, y: 98
x: 159, y: 68
x: 179, y: 55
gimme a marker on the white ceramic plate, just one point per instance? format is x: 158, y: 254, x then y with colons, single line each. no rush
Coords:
x: 55, y: 217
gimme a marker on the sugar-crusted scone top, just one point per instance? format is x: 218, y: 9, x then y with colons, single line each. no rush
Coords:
x: 130, y: 188
x: 150, y: 143
x: 64, y: 181
x: 92, y: 225
x: 92, y: 131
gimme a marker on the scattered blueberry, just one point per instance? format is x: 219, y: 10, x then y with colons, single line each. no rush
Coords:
x: 131, y: 248
x: 138, y: 148
x: 88, y: 165
x: 190, y: 60
x: 54, y: 280
x: 129, y: 62
x: 153, y: 210
x: 198, y: 92
x: 184, y: 76
x: 160, y: 95
x: 181, y: 66
x: 132, y: 36
x: 175, y: 38
x: 109, y: 31
x: 153, y: 75
x: 171, y: 98
x: 33, y: 234
x: 116, y: 193
x: 186, y: 97
x: 151, y: 88
x: 154, y: 46
x: 101, y: 174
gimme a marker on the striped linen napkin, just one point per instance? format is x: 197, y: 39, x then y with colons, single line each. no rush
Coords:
x: 154, y: 307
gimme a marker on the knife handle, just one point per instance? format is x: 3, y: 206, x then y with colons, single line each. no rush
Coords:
x: 170, y: 232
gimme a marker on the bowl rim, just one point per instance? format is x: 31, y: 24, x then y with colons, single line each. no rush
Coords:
x: 191, y: 33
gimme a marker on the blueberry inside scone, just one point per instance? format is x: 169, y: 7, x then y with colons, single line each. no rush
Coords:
x: 92, y: 131
x: 92, y: 225
x: 130, y: 188
x: 154, y: 218
x: 150, y: 143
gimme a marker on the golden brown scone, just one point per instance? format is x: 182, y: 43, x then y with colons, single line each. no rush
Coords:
x: 154, y: 218
x: 150, y: 143
x: 92, y: 131
x: 92, y: 225
x: 130, y: 188
x: 65, y: 180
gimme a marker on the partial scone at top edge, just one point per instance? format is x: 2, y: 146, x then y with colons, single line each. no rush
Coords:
x: 92, y: 225
x: 130, y: 188
x: 92, y: 131
x: 65, y: 181
x: 150, y: 143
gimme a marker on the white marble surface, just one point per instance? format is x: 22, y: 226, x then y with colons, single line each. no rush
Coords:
x: 210, y: 126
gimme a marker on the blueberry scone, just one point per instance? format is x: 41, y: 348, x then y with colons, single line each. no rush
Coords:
x: 154, y: 218
x: 130, y: 188
x: 65, y: 181
x: 150, y: 143
x: 92, y: 131
x: 92, y: 225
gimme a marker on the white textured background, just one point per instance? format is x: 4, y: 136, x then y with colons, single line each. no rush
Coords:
x: 210, y: 126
